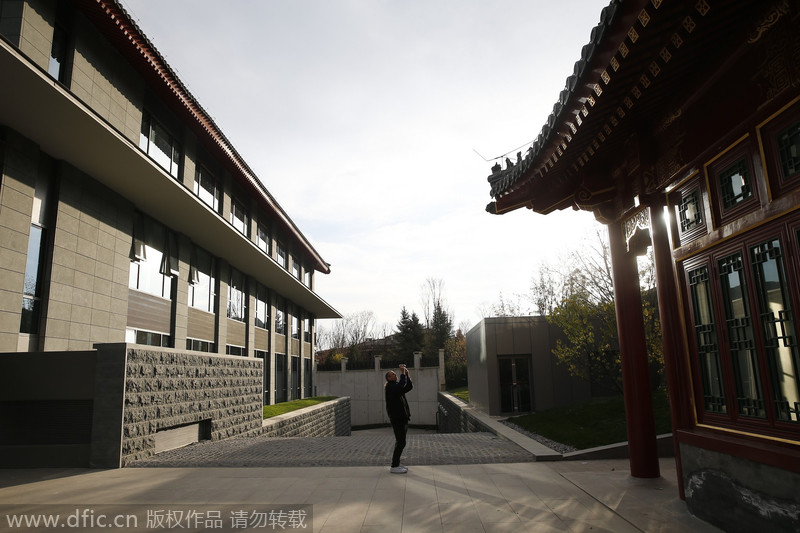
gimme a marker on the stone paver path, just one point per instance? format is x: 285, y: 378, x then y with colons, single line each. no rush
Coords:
x: 370, y: 449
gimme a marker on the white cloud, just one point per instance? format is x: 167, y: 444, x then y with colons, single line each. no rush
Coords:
x: 362, y: 118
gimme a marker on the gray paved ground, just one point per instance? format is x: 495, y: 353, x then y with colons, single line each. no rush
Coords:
x: 369, y: 448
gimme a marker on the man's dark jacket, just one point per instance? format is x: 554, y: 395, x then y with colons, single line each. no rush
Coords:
x: 396, y: 404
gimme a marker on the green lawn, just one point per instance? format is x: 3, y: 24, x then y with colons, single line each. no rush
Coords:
x: 460, y: 392
x: 286, y: 407
x: 597, y: 423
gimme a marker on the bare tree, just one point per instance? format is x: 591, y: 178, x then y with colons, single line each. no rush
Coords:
x: 431, y: 296
x: 360, y: 327
x: 511, y: 307
x: 348, y: 331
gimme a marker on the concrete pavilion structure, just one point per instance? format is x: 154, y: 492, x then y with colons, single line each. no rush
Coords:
x: 679, y: 128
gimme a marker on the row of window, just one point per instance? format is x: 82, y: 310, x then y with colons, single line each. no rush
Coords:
x: 284, y: 389
x: 731, y: 180
x: 165, y: 149
x: 742, y: 294
x: 745, y: 330
x: 154, y: 270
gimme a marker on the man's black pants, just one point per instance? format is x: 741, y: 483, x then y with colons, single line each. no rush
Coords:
x: 400, y: 429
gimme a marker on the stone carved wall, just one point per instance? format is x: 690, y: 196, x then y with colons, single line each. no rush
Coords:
x: 168, y: 389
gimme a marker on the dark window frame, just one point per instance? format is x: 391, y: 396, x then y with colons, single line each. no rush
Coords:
x: 779, y: 184
x: 788, y: 234
x: 201, y: 175
x: 742, y: 153
x: 149, y: 146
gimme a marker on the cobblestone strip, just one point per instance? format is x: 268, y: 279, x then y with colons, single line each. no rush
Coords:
x: 357, y: 450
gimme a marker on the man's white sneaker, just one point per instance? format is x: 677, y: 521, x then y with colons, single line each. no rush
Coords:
x: 398, y: 470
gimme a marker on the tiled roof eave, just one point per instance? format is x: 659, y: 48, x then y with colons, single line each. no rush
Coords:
x: 570, y: 108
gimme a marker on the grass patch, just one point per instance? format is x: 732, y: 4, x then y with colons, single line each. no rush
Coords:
x: 461, y: 393
x: 596, y: 423
x: 287, y: 407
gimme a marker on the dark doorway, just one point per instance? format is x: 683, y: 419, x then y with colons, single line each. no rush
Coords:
x: 515, y: 384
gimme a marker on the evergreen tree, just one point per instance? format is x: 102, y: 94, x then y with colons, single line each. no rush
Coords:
x: 439, y: 331
x: 409, y: 335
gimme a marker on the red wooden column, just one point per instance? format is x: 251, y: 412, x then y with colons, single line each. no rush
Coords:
x: 633, y: 353
x: 671, y: 332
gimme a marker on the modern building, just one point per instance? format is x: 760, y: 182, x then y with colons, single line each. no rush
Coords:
x: 511, y: 368
x: 132, y: 231
x: 679, y: 128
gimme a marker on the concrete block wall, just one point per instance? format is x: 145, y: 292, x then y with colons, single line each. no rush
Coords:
x: 169, y: 388
x: 329, y: 419
x: 365, y: 388
x: 454, y: 417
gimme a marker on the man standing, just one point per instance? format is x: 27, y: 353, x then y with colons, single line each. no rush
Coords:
x: 399, y: 413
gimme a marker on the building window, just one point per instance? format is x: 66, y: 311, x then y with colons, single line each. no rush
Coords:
x: 691, y: 216
x: 307, y: 385
x: 295, y: 390
x: 777, y: 322
x: 788, y: 143
x: 262, y: 307
x: 202, y: 281
x: 148, y: 338
x: 162, y: 147
x: 154, y: 258
x: 236, y: 296
x: 706, y: 337
x: 282, y: 256
x: 264, y: 356
x: 239, y: 217
x: 281, y: 376
x: 197, y: 345
x: 240, y: 351
x: 309, y: 277
x: 59, y: 54
x: 263, y: 239
x: 735, y: 184
x: 34, y: 264
x: 295, y: 325
x: 296, y: 268
x: 741, y: 342
x: 206, y: 187
x: 746, y: 335
x: 280, y: 319
x: 307, y: 328
x: 31, y: 296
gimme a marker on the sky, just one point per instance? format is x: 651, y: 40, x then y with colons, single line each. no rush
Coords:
x: 371, y: 123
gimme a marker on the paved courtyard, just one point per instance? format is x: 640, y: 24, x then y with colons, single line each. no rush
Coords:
x: 456, y: 483
x: 363, y: 448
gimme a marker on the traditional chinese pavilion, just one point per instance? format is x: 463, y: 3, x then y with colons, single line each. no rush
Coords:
x: 679, y: 128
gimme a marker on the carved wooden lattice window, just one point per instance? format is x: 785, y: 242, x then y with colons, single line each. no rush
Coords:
x: 780, y: 339
x: 741, y: 343
x: 789, y: 151
x: 735, y: 184
x: 707, y: 345
x: 691, y: 216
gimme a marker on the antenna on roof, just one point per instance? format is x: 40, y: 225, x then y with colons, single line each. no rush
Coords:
x: 503, y: 155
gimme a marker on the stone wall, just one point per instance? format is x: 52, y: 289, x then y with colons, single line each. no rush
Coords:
x: 367, y: 402
x: 454, y: 416
x: 329, y: 419
x: 168, y: 388
x: 735, y: 494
